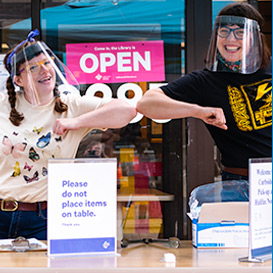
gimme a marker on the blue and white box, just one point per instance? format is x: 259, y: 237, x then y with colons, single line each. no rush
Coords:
x: 221, y: 225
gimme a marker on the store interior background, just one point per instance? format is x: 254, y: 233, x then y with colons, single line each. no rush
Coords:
x: 174, y: 156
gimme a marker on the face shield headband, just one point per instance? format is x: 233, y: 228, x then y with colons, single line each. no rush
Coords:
x: 235, y: 45
x: 30, y: 38
x: 41, y: 72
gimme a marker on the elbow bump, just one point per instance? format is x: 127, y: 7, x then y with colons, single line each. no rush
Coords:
x: 133, y: 113
x: 129, y: 112
x: 139, y: 107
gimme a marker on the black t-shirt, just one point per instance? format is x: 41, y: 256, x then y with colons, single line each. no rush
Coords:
x: 247, y: 103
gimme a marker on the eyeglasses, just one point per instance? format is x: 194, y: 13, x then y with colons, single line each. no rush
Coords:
x: 224, y: 32
x: 35, y: 67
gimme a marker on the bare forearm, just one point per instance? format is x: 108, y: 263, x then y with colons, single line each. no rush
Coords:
x: 115, y: 114
x: 155, y: 104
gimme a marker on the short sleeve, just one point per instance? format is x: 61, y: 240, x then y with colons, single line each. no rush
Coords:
x: 186, y: 88
x: 78, y: 105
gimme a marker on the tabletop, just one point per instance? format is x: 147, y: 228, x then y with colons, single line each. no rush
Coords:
x: 137, y: 258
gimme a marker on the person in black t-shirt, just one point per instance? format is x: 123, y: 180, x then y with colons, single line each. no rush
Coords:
x: 232, y: 95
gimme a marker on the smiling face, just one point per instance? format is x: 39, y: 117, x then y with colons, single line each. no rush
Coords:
x: 37, y: 78
x: 230, y: 42
x: 235, y: 45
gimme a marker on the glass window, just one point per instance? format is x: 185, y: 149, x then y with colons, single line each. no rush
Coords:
x: 12, y: 12
x: 126, y: 47
x: 119, y: 49
x: 135, y: 45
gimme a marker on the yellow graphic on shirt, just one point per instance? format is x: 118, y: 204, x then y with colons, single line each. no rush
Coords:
x: 252, y: 105
x: 239, y: 109
x: 263, y: 89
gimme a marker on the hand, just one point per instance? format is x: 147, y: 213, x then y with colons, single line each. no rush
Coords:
x: 61, y: 126
x: 213, y: 116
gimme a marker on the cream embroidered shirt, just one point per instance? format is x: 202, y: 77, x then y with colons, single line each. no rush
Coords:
x: 25, y: 149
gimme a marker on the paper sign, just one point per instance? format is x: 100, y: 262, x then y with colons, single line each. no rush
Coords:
x: 260, y: 195
x: 116, y: 62
x: 82, y: 206
x: 260, y: 210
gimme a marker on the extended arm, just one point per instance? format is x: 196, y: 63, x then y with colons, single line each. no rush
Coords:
x: 115, y: 114
x: 156, y: 105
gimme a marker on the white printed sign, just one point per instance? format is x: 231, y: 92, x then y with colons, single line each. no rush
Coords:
x: 82, y: 210
x: 260, y: 196
x: 260, y: 210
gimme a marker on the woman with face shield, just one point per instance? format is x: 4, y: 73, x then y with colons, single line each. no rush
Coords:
x: 232, y: 95
x: 37, y: 123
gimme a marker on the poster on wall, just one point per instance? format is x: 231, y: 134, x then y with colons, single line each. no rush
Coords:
x: 116, y: 62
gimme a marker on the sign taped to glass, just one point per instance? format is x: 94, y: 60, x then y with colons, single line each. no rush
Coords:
x: 116, y: 62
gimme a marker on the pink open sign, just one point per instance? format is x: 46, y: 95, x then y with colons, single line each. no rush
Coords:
x: 116, y: 62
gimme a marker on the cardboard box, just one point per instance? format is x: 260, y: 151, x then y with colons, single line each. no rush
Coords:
x: 221, y: 225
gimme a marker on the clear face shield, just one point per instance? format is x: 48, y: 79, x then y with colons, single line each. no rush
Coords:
x: 235, y: 45
x: 40, y: 73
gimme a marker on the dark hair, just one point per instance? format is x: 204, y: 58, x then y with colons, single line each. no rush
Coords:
x: 16, y: 117
x: 248, y: 11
